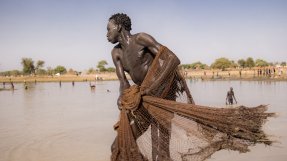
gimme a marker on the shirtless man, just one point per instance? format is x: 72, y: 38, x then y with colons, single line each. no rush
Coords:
x: 230, y: 96
x: 134, y: 54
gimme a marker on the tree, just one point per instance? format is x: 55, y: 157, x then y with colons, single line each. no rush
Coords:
x: 91, y: 71
x: 185, y: 66
x: 101, y: 65
x: 283, y: 63
x: 50, y: 71
x: 41, y: 72
x: 250, y: 62
x: 60, y: 69
x: 242, y: 63
x: 198, y: 65
x: 271, y: 63
x: 11, y: 73
x: 233, y: 64
x: 111, y: 69
x: 28, y: 66
x: 39, y: 65
x: 221, y: 63
x: 261, y: 63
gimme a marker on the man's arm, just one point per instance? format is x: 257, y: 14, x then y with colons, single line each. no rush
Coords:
x: 124, y: 84
x: 154, y: 47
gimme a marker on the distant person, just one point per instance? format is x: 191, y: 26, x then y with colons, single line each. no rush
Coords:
x: 25, y: 85
x: 280, y: 72
x: 230, y: 96
x: 3, y: 84
x: 12, y: 85
x: 92, y: 85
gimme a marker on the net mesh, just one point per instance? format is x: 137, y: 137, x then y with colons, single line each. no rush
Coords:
x: 167, y: 125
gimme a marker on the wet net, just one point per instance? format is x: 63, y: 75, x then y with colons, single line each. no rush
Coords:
x: 167, y: 125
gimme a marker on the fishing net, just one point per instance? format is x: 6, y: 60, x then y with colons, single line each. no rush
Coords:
x: 166, y: 124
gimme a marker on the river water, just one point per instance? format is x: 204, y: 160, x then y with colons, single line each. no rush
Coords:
x: 49, y: 122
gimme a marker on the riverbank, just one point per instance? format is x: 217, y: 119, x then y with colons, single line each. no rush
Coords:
x: 62, y: 78
x: 188, y: 74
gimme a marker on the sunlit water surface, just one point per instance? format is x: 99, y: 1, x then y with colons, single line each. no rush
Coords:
x: 49, y: 122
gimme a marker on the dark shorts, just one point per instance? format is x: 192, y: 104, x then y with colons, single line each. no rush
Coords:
x: 230, y: 101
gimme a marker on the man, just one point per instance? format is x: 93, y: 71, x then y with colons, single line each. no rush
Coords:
x: 134, y: 54
x: 230, y: 96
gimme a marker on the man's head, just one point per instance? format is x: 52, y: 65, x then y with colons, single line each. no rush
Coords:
x: 231, y: 89
x: 116, y: 24
x: 123, y: 20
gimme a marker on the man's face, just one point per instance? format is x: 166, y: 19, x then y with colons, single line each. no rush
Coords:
x: 112, y: 34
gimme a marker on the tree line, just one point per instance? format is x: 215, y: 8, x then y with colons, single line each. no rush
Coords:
x: 224, y: 63
x: 30, y: 67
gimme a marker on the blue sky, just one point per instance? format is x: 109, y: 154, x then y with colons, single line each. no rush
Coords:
x: 72, y: 33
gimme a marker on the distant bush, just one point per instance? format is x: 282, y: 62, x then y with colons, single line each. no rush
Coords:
x: 221, y: 63
x: 11, y: 73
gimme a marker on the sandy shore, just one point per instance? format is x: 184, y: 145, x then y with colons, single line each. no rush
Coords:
x: 189, y: 74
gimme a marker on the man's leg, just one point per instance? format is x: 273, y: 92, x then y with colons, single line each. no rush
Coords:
x: 231, y: 101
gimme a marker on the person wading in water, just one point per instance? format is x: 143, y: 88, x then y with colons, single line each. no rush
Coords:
x: 230, y: 96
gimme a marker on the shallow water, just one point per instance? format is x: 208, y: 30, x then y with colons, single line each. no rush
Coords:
x: 74, y: 123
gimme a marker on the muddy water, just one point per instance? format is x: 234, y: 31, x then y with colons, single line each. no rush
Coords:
x: 52, y: 123
x: 49, y: 122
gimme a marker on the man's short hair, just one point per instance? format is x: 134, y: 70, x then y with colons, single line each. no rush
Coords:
x: 122, y: 19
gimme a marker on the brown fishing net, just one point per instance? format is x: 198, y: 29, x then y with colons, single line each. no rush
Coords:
x: 166, y: 125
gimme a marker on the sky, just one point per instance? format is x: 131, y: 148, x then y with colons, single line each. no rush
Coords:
x: 72, y: 33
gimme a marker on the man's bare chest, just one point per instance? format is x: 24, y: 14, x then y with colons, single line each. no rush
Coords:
x: 135, y: 58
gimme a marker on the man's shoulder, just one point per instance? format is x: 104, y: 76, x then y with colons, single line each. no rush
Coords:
x: 117, y: 50
x: 141, y: 35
